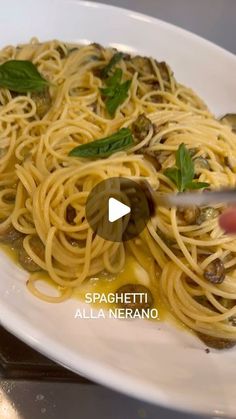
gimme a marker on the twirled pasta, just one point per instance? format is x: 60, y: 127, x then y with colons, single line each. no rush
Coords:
x: 39, y: 181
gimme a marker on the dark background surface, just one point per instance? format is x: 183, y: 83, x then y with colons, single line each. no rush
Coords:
x: 75, y: 398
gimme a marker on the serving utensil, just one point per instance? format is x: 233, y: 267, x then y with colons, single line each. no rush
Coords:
x: 185, y: 199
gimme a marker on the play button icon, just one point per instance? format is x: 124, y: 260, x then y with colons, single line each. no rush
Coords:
x: 117, y: 209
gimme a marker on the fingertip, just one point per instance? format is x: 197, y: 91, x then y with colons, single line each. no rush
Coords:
x: 227, y: 221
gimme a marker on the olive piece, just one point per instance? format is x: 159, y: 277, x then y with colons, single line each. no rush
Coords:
x: 163, y: 67
x: 43, y: 102
x: 215, y: 272
x: 201, y: 163
x: 26, y: 262
x: 62, y: 51
x: 9, y: 198
x: 141, y: 127
x: 18, y: 243
x: 152, y: 84
x: 73, y: 49
x: 201, y: 299
x: 137, y: 302
x: 206, y: 214
x: 230, y: 119
x: 156, y: 98
x: 38, y: 247
x: 97, y: 46
x: 230, y: 162
x: 189, y: 214
x: 161, y: 156
x: 226, y: 302
x: 10, y: 235
x: 142, y: 64
x: 232, y: 320
x: 151, y: 159
x: 167, y: 240
x: 215, y: 342
x: 192, y: 151
x: 70, y: 214
x: 73, y: 242
x: 24, y: 259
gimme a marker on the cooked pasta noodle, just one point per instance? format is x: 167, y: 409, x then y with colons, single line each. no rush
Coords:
x: 39, y: 181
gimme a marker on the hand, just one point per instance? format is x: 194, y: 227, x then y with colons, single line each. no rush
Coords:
x: 227, y: 220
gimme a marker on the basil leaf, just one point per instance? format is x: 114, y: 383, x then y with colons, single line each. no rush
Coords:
x: 115, y: 92
x: 113, y: 61
x: 115, y: 79
x: 112, y: 83
x: 182, y: 175
x: 185, y: 164
x: 104, y: 147
x: 120, y: 94
x: 198, y: 185
x: 21, y: 77
x: 174, y: 175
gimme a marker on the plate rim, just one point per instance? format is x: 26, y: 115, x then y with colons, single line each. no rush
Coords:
x: 145, y: 16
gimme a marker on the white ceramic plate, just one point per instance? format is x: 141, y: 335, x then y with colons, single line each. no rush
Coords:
x: 152, y: 361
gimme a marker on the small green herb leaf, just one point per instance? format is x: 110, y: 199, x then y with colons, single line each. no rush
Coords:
x: 112, y: 83
x: 183, y: 174
x: 121, y: 93
x: 21, y: 77
x: 104, y: 147
x: 115, y: 92
x: 184, y: 161
x: 174, y: 174
x: 197, y: 185
x: 115, y: 78
x: 113, y: 61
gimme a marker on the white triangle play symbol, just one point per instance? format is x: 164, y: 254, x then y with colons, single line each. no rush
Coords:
x: 116, y: 210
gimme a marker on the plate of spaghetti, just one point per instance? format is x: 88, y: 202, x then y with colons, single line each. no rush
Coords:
x: 82, y: 104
